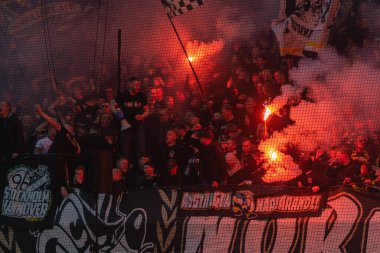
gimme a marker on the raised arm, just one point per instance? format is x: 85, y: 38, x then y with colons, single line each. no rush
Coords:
x: 49, y: 119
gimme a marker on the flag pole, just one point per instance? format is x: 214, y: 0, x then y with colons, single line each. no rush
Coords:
x: 203, y: 93
x: 119, y: 61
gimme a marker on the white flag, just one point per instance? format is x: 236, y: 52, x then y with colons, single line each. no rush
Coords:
x: 304, y: 25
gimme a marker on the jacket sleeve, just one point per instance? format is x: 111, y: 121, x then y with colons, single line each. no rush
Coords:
x: 18, y: 134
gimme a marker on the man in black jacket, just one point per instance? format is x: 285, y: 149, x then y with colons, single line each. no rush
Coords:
x: 347, y: 171
x: 11, y: 138
x: 213, y: 162
x: 11, y: 133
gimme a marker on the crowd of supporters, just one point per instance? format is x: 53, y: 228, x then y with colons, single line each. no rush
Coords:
x: 164, y: 136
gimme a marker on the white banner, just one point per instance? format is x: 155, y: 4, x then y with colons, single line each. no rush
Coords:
x: 304, y: 25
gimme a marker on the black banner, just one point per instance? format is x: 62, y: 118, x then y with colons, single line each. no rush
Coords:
x: 150, y: 221
x: 30, y: 191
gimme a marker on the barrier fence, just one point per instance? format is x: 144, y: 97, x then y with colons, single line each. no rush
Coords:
x: 191, y: 219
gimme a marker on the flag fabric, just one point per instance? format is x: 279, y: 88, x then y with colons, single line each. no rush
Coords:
x: 179, y: 7
x: 303, y: 26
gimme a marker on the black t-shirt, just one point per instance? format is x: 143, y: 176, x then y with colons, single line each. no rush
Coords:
x: 64, y: 143
x: 131, y: 105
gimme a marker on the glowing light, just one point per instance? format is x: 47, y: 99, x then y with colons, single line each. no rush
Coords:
x: 267, y: 113
x: 191, y: 58
x: 273, y: 155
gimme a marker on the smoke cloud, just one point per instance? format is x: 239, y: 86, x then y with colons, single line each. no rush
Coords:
x: 345, y: 103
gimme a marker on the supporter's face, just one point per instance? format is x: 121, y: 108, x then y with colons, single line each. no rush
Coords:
x: 277, y: 77
x: 159, y: 94
x: 109, y: 94
x: 170, y: 82
x: 62, y: 99
x: 144, y: 160
x: 105, y: 120
x: 205, y: 141
x: 163, y: 115
x: 78, y: 94
x: 180, y: 132
x: 153, y: 93
x: 316, y: 3
x: 116, y: 175
x: 52, y: 132
x: 4, y: 109
x: 79, y: 176
x: 259, y: 88
x: 157, y: 81
x: 136, y: 86
x: 255, y: 78
x: 231, y: 161
x: 171, y: 137
x: 363, y: 169
x: 226, y: 114
x: 342, y: 157
x: 260, y: 62
x: 246, y: 147
x: 266, y: 75
x: 247, y: 120
x: 256, y: 51
x: 27, y: 121
x: 180, y: 96
x: 194, y: 120
x: 332, y: 154
x: 170, y: 102
x: 148, y: 171
x: 361, y: 143
x: 123, y: 166
x: 231, y: 145
x: 250, y: 104
x: 106, y: 108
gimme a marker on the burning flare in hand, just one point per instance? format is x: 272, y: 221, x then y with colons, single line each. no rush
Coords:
x: 267, y: 113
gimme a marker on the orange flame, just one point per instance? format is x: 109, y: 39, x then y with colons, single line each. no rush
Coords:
x: 192, y: 58
x: 267, y: 113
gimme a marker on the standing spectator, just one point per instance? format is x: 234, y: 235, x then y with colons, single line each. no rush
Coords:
x: 62, y: 105
x: 64, y: 141
x: 228, y: 117
x: 360, y: 153
x: 11, y: 133
x: 173, y: 160
x: 78, y: 179
x: 150, y: 178
x: 251, y: 118
x: 247, y: 157
x: 183, y: 133
x: 193, y: 173
x: 347, y: 171
x: 127, y: 173
x: 110, y: 97
x: 279, y: 78
x: 11, y: 138
x: 315, y: 176
x: 235, y: 172
x: 135, y: 109
x: 213, y: 163
x: 118, y: 185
